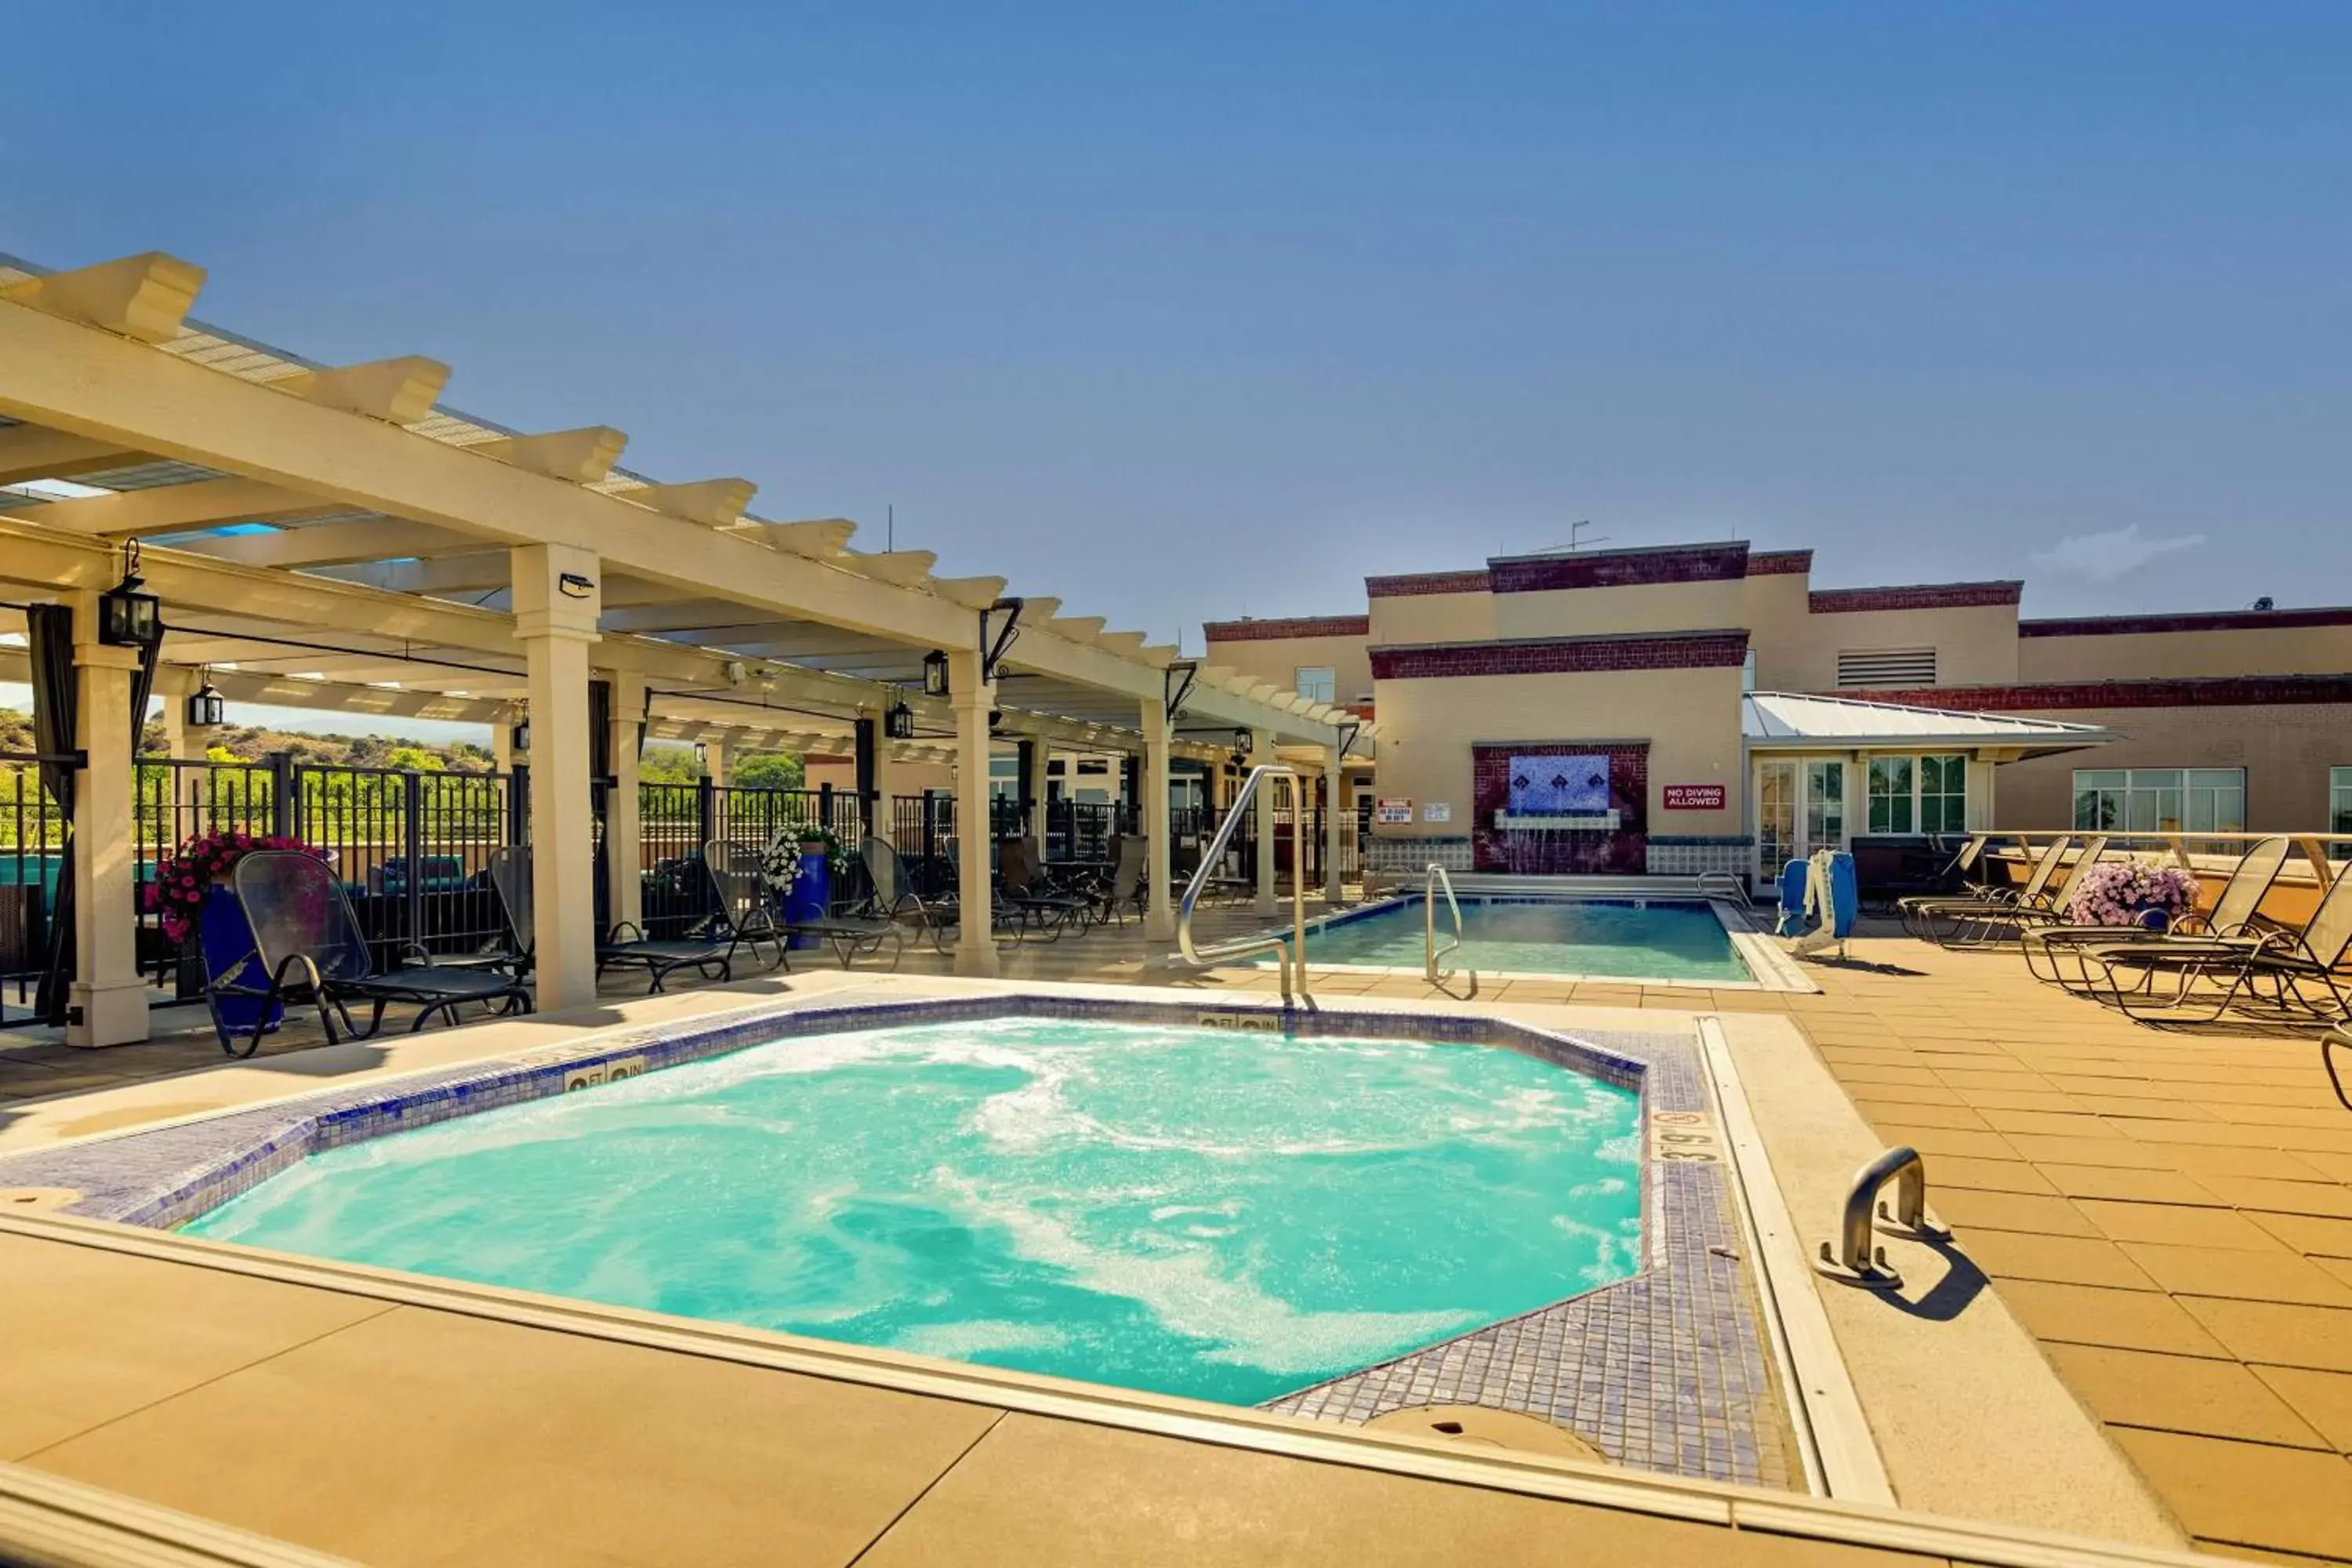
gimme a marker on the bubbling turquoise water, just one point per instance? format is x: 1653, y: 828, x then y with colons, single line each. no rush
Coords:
x: 1203, y: 1212
x: 1651, y: 942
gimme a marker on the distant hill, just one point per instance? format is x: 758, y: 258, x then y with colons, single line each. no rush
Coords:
x: 664, y: 761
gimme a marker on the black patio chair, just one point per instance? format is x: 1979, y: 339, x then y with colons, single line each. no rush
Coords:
x: 891, y: 894
x: 748, y: 908
x: 309, y: 942
x: 511, y: 875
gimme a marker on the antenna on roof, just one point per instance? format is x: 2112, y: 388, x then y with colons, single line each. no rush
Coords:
x: 1575, y: 540
x: 889, y: 527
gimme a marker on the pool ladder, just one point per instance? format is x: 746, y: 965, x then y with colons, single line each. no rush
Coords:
x: 1433, y: 878
x: 1291, y: 948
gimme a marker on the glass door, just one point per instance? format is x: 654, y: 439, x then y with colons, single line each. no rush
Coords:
x: 1825, y: 806
x: 1776, y: 818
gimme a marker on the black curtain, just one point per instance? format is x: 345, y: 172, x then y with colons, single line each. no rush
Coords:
x: 600, y: 730
x: 143, y: 692
x: 56, y: 720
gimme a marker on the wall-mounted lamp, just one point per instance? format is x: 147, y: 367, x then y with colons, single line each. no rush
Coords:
x: 899, y: 722
x: 935, y: 674
x: 519, y: 736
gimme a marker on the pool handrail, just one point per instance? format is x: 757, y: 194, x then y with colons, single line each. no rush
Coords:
x: 1433, y: 877
x: 1292, y: 950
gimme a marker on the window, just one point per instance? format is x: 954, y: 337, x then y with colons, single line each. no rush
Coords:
x: 1892, y: 781
x: 1004, y: 777
x: 1943, y: 795
x: 1918, y: 795
x: 1319, y: 682
x: 2160, y: 800
x: 2339, y: 809
x: 1868, y: 667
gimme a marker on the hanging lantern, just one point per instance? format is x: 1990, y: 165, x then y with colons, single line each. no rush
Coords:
x: 899, y: 722
x: 127, y: 617
x: 935, y: 674
x: 520, y: 736
x: 206, y: 708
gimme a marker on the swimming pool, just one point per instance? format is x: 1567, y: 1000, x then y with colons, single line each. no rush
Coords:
x: 1645, y: 940
x: 1209, y: 1212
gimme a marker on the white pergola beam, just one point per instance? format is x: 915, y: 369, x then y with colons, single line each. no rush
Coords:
x: 579, y: 456
x: 400, y: 391
x: 331, y: 544
x: 146, y: 297
x: 169, y: 509
x: 30, y: 452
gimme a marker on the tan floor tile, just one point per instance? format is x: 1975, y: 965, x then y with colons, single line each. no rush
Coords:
x: 2322, y: 1398
x: 2310, y: 1234
x: 2231, y: 1551
x: 2249, y: 1275
x: 2044, y: 1123
x: 1953, y: 1118
x: 2176, y: 1226
x: 2325, y: 1199
x: 2120, y: 1152
x: 2020, y: 1100
x: 1852, y: 1074
x: 135, y: 1332
x: 2009, y: 1211
x: 485, y: 1442
x: 2290, y: 1500
x: 2181, y: 1393
x: 2131, y: 1186
x: 1945, y: 1140
x: 1036, y: 1493
x: 2128, y: 1319
x: 2277, y: 1334
x: 2335, y: 1167
x: 1906, y: 1094
x: 1989, y: 1175
x: 2204, y: 1159
x: 1962, y: 1078
x: 2061, y: 1260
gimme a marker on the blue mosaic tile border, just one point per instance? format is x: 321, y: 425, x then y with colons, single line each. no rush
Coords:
x: 1668, y: 1370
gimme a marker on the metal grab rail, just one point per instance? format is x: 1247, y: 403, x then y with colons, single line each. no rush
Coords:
x: 1432, y: 878
x: 1854, y: 1261
x: 1733, y: 886
x: 1291, y: 951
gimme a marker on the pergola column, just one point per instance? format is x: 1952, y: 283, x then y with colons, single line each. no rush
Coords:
x: 1262, y: 753
x: 108, y: 1001
x: 1159, y: 911
x: 715, y: 760
x: 624, y: 855
x: 1332, y: 819
x: 186, y: 742
x: 503, y: 756
x: 556, y: 628
x: 973, y: 701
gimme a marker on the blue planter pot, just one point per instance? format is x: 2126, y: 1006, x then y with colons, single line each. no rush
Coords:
x: 227, y: 942
x: 809, y: 896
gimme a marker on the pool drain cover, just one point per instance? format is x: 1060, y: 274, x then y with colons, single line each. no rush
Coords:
x: 1476, y: 1426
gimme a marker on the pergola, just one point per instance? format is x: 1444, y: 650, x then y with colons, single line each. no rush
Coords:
x: 333, y: 537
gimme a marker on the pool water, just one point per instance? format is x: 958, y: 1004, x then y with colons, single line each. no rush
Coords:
x: 1203, y: 1211
x: 1653, y: 942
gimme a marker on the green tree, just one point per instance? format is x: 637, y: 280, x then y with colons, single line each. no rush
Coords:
x: 771, y: 771
x: 414, y: 759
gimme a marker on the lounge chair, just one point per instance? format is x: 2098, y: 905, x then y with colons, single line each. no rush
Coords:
x: 309, y: 942
x: 1957, y: 872
x: 1037, y: 906
x: 2010, y: 921
x: 2337, y: 1038
x: 1131, y: 869
x: 747, y: 911
x: 2055, y: 953
x: 892, y: 895
x: 2227, y: 972
x: 1947, y: 922
x: 511, y: 875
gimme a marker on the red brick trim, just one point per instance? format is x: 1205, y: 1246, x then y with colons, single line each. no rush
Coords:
x: 1619, y: 568
x: 2187, y: 621
x: 1775, y: 563
x: 1294, y: 626
x: 1918, y: 597
x: 1561, y: 656
x: 1414, y: 585
x: 2206, y: 691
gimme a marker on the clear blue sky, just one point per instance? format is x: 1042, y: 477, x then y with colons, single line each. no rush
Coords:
x: 1183, y: 311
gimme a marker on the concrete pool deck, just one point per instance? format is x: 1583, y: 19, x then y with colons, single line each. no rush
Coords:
x: 2093, y: 1169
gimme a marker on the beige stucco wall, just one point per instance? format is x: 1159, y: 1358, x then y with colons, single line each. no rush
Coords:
x: 903, y: 778
x: 1434, y: 617
x: 1690, y: 717
x: 1279, y: 661
x: 1975, y: 645
x: 2141, y: 656
x: 1630, y: 607
x: 2286, y: 751
x: 1774, y: 610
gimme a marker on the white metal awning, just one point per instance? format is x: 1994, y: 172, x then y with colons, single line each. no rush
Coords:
x: 1788, y: 720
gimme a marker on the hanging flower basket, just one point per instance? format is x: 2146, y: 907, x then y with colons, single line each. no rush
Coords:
x: 2133, y: 892
x: 184, y: 877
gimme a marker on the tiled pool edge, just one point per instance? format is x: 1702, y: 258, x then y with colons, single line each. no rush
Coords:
x: 158, y: 1178
x: 1670, y: 1370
